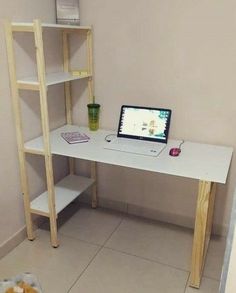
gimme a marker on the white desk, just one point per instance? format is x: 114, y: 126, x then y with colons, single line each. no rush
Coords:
x: 207, y: 163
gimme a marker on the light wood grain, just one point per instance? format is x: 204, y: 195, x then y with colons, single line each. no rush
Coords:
x: 19, y: 130
x: 46, y: 130
x: 90, y: 65
x: 25, y: 86
x: 202, y: 230
x: 67, y: 87
x: 94, y: 187
x: 91, y: 100
x: 40, y: 83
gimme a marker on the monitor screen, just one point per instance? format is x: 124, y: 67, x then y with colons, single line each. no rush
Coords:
x: 144, y: 123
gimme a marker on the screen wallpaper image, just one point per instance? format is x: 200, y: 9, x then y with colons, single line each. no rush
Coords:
x: 149, y: 123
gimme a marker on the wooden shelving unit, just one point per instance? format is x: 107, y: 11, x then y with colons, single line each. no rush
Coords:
x: 58, y: 196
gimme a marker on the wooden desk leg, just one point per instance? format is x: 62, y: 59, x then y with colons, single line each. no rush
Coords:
x: 202, y: 230
x: 94, y: 187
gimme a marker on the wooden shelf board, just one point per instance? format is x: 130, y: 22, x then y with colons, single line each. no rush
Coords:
x: 68, y: 189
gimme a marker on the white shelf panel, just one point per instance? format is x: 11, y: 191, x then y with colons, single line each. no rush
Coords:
x: 65, y: 26
x: 66, y: 191
x: 51, y: 79
x: 50, y: 25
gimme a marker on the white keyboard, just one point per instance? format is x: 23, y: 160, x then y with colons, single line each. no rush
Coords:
x: 146, y: 148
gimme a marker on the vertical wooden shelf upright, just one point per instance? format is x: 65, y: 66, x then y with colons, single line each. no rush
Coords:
x: 58, y: 196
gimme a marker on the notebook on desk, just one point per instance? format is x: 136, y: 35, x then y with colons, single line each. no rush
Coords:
x: 141, y: 130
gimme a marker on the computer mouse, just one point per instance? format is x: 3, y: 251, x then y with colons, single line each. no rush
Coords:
x: 174, y: 152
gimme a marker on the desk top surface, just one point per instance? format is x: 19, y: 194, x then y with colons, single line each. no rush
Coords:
x: 197, y: 160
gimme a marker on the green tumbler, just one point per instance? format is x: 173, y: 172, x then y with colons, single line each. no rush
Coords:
x: 93, y: 116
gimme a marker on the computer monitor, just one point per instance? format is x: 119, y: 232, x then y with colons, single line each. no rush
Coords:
x: 144, y: 123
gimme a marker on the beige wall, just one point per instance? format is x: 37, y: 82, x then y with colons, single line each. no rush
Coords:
x: 176, y: 54
x: 11, y: 205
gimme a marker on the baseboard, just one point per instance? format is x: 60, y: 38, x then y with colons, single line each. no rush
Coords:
x: 152, y: 214
x: 167, y: 217
x: 12, y: 242
x: 172, y: 218
x: 19, y: 236
x: 104, y: 203
x: 123, y: 207
x: 220, y: 230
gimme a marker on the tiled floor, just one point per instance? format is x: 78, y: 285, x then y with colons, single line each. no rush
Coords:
x: 106, y: 252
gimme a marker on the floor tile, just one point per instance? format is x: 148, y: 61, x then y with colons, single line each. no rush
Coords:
x: 207, y: 286
x: 116, y: 272
x: 49, y: 280
x: 166, y: 244
x: 55, y: 267
x: 91, y: 225
x: 215, y: 258
x: 164, y: 251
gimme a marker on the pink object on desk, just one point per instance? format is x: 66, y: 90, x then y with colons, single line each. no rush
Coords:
x: 174, y: 152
